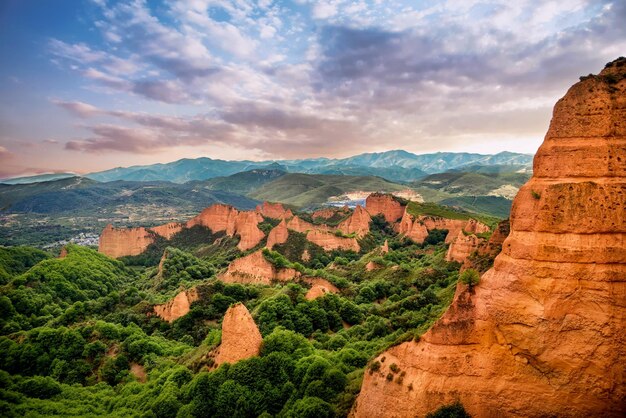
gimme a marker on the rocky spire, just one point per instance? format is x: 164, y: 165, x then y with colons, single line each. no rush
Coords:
x: 543, y: 334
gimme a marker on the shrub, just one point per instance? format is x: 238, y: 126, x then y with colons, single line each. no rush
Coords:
x: 470, y: 277
x: 535, y: 195
x: 454, y: 410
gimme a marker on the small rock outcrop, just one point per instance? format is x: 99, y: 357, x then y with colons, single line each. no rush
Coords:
x: 319, y: 287
x: 168, y: 230
x: 274, y: 211
x: 63, y: 252
x: 329, y: 212
x: 385, y: 204
x: 241, y: 338
x: 463, y: 246
x: 385, y: 247
x: 177, y: 307
x: 278, y: 235
x: 358, y: 223
x: 331, y: 241
x: 543, y: 333
x: 254, y: 268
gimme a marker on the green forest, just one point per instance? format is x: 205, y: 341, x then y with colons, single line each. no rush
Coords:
x: 78, y: 337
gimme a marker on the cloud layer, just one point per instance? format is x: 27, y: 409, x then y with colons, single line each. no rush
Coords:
x: 331, y: 77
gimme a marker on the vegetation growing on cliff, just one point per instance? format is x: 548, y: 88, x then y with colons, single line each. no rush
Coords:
x: 78, y: 335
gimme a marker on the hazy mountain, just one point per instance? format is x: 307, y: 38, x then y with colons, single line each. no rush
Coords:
x: 244, y: 182
x: 79, y: 195
x: 37, y: 179
x: 394, y: 165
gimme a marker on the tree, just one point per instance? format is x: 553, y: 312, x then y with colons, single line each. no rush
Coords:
x: 470, y: 277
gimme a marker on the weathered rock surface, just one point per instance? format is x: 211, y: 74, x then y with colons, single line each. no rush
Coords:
x: 385, y: 204
x: 168, y: 230
x: 319, y: 287
x: 274, y: 210
x: 63, y: 252
x: 234, y: 222
x: 177, y: 307
x: 330, y: 241
x: 329, y: 212
x: 417, y: 228
x: 385, y: 247
x: 241, y: 338
x: 254, y: 268
x: 358, y: 223
x: 278, y: 235
x: 462, y: 246
x: 120, y: 242
x: 300, y: 225
x: 543, y: 334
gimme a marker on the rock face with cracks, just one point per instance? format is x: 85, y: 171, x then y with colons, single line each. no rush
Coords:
x: 241, y: 338
x: 177, y: 307
x: 543, y: 333
x: 254, y: 268
x: 386, y: 205
x: 358, y: 223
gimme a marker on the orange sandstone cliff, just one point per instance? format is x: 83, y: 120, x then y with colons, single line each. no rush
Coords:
x: 241, y: 338
x: 543, y: 333
x: 358, y: 223
x: 274, y: 210
x: 254, y: 268
x: 119, y: 242
x: 278, y: 235
x: 384, y: 204
x: 177, y: 307
x: 234, y: 222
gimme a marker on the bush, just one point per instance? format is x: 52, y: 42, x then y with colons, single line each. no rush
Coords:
x: 40, y: 387
x: 470, y: 277
x: 454, y: 410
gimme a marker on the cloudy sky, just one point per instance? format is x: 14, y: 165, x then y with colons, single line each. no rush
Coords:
x: 89, y: 85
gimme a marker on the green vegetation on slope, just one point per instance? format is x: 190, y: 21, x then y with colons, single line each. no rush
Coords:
x: 303, y: 190
x: 78, y: 336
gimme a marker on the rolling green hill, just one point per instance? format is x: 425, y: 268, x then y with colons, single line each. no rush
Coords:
x: 305, y: 190
x: 241, y: 183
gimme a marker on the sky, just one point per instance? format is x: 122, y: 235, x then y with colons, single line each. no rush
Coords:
x: 95, y: 84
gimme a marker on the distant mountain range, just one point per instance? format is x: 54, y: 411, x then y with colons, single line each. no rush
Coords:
x: 398, y: 166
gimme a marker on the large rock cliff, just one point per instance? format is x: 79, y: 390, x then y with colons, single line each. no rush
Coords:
x: 274, y: 210
x: 386, y: 205
x: 241, y: 338
x: 234, y: 222
x: 254, y: 268
x: 358, y: 223
x: 543, y: 333
x: 120, y: 242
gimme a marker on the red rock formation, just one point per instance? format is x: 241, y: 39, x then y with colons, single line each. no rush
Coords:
x: 417, y: 228
x: 329, y: 212
x: 274, y: 210
x: 278, y: 235
x: 121, y: 242
x: 358, y: 223
x: 63, y: 252
x: 241, y: 338
x: 300, y: 225
x: 371, y: 266
x: 385, y: 204
x: 177, y: 307
x: 254, y: 268
x: 226, y: 218
x: 330, y: 241
x: 168, y: 230
x: 319, y: 287
x: 385, y: 247
x: 462, y: 246
x: 543, y: 334
x: 412, y: 228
